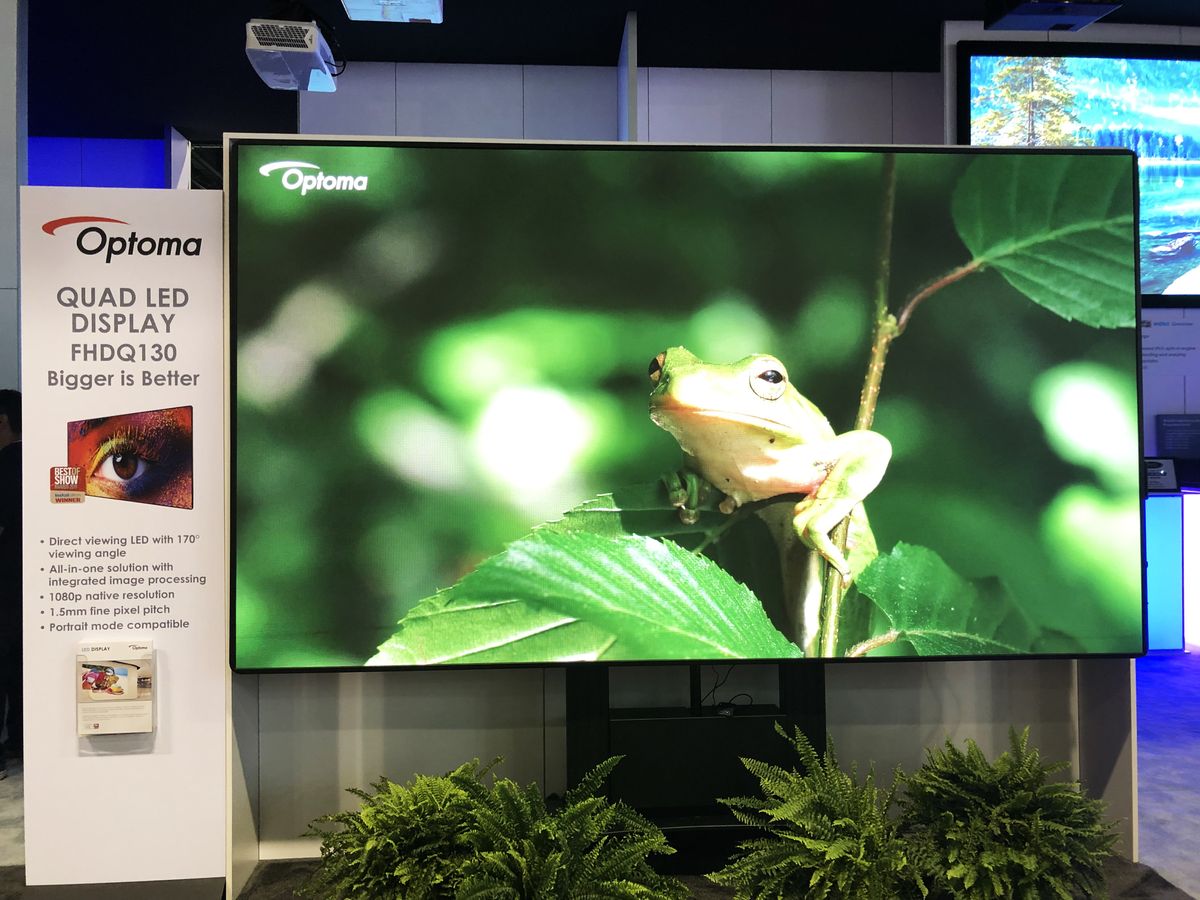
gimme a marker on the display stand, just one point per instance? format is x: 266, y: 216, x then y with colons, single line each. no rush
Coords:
x: 678, y: 760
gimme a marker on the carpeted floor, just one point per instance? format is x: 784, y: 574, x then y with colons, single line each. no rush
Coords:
x: 1168, y: 700
x: 12, y: 820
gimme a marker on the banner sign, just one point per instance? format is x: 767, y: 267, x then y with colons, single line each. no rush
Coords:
x: 122, y: 361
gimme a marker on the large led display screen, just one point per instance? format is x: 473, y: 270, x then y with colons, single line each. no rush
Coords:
x: 534, y: 404
x: 1145, y: 99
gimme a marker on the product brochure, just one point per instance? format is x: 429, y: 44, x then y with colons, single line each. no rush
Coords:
x: 115, y: 687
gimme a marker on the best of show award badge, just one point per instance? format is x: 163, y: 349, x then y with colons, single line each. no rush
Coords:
x: 67, y: 484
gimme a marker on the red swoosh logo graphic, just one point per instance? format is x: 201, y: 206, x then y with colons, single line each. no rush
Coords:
x: 53, y: 226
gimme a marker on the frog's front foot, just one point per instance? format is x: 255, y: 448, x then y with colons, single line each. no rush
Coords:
x: 813, y: 519
x: 686, y: 491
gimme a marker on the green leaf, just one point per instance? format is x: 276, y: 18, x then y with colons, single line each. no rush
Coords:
x: 941, y: 613
x: 740, y: 543
x: 1058, y: 228
x: 640, y: 509
x: 562, y: 596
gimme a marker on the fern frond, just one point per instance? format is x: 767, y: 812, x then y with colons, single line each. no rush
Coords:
x: 404, y: 840
x: 589, y: 847
x: 984, y: 829
x: 827, y: 833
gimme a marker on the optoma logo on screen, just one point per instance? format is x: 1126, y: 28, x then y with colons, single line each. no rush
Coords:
x: 306, y: 176
x: 94, y: 240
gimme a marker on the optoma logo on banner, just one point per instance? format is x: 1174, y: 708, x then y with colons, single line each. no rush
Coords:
x: 306, y: 176
x: 94, y: 240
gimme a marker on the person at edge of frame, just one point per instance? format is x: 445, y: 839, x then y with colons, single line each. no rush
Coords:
x: 11, y: 663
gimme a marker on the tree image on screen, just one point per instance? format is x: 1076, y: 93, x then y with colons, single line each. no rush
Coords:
x: 1146, y: 105
x: 902, y: 426
x: 1028, y: 104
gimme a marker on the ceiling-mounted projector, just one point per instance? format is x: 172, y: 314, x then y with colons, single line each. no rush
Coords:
x: 1045, y: 15
x: 290, y: 56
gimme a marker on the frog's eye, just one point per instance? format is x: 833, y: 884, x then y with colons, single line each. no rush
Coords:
x: 769, y: 384
x: 656, y: 366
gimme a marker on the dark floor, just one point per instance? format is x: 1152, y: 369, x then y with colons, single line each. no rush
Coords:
x: 279, y: 880
x: 1126, y: 881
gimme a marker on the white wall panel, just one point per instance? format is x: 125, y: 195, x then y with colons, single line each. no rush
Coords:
x: 831, y: 107
x: 643, y: 104
x: 10, y: 368
x: 917, y: 108
x: 320, y: 734
x: 364, y: 102
x: 434, y: 100
x: 627, y: 85
x: 709, y: 105
x: 244, y: 759
x: 890, y: 712
x: 12, y: 175
x: 570, y: 103
x: 12, y: 139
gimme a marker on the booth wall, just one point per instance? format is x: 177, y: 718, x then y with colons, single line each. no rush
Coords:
x: 322, y: 733
x: 97, y: 162
x: 12, y: 175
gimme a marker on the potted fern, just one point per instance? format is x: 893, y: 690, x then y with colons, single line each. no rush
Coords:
x: 827, y: 835
x: 1003, y: 829
x: 405, y: 840
x: 456, y: 836
x: 590, y: 847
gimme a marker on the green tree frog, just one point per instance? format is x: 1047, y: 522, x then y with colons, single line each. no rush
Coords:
x: 749, y: 433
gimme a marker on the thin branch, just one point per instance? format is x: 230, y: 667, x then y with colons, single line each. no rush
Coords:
x: 932, y: 288
x: 887, y: 219
x: 880, y: 640
x: 885, y: 329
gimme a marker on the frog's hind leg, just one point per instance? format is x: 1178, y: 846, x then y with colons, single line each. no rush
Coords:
x: 813, y: 520
x: 850, y: 479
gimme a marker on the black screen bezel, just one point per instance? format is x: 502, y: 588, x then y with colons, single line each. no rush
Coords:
x: 234, y: 142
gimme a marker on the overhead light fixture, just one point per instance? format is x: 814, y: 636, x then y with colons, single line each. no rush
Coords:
x: 426, y: 11
x: 1044, y: 15
x: 290, y: 56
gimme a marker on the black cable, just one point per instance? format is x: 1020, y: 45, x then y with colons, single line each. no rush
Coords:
x: 749, y: 699
x: 717, y: 685
x: 300, y: 11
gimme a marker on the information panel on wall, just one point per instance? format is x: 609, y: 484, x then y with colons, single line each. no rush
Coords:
x: 123, y: 486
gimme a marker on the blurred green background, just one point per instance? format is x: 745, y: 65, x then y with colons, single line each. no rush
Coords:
x: 428, y: 367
